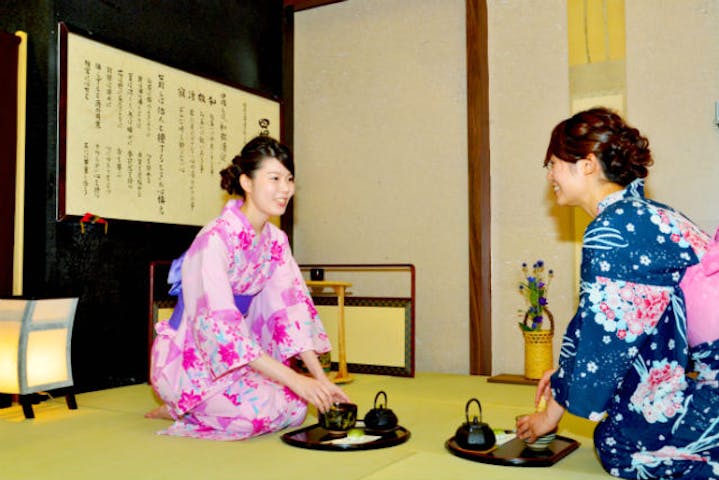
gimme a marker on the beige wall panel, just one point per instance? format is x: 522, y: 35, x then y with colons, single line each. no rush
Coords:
x: 529, y: 94
x: 373, y: 335
x: 381, y: 153
x: 672, y: 84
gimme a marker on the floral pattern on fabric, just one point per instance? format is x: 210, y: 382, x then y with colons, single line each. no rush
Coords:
x: 626, y: 309
x: 201, y: 369
x: 706, y: 367
x: 625, y: 353
x: 659, y: 396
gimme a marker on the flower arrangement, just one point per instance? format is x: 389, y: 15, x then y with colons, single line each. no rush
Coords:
x: 534, y: 290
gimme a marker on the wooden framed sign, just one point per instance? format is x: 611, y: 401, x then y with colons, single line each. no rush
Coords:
x: 142, y: 141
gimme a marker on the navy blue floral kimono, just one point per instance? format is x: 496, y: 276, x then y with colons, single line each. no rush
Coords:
x: 625, y: 355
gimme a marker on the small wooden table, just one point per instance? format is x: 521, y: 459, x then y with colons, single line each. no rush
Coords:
x: 339, y: 288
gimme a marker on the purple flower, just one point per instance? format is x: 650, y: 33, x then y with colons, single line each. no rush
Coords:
x: 534, y: 289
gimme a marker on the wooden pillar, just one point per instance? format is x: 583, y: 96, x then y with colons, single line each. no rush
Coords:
x: 480, y: 309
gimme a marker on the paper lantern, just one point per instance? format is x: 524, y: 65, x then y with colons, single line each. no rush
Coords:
x: 35, y: 341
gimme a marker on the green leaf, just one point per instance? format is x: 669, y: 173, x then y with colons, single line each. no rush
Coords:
x: 524, y: 328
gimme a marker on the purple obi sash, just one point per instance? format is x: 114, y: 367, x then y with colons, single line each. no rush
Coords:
x: 174, y: 278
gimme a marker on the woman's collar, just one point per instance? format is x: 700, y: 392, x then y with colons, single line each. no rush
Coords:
x: 633, y: 190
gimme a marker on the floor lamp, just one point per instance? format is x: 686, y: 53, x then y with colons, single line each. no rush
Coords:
x: 35, y: 340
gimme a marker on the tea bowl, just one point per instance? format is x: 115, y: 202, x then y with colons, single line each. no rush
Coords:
x: 542, y: 442
x: 339, y: 418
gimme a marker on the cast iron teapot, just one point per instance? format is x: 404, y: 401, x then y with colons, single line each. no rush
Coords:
x: 475, y: 435
x: 380, y: 417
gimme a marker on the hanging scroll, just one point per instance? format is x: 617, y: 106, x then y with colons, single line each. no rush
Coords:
x: 142, y: 141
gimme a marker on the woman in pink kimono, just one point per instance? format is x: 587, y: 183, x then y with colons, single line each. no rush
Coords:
x: 220, y: 363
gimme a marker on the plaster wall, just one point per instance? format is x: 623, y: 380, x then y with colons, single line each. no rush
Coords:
x: 528, y: 93
x: 672, y: 86
x: 381, y: 152
x: 380, y: 129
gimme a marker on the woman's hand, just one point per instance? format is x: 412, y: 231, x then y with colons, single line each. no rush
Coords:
x: 321, y: 393
x: 318, y: 391
x: 309, y: 358
x: 544, y: 390
x: 532, y: 426
x: 537, y: 424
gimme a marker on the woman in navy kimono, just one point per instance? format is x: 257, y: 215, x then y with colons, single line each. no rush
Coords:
x: 625, y: 354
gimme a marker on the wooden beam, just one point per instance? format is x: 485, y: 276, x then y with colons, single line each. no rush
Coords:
x: 305, y: 4
x: 480, y: 307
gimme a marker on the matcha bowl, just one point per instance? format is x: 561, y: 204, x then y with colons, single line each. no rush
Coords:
x: 339, y: 418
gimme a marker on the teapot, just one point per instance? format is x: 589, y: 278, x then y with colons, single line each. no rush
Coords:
x: 380, y: 417
x: 475, y: 435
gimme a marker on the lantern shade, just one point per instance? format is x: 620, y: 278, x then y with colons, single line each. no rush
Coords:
x: 35, y: 342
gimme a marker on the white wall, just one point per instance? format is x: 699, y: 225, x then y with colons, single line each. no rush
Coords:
x: 529, y: 94
x: 672, y: 84
x: 380, y: 140
x: 381, y: 153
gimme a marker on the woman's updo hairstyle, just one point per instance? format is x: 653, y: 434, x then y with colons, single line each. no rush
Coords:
x: 251, y: 158
x: 622, y: 151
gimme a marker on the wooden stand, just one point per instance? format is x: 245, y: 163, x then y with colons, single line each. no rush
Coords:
x: 27, y: 400
x: 339, y: 288
x: 514, y: 379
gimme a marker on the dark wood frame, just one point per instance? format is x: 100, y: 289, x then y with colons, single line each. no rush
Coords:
x: 9, y: 48
x: 298, y: 5
x: 407, y: 370
x: 480, y: 293
x: 410, y: 355
x: 158, y: 298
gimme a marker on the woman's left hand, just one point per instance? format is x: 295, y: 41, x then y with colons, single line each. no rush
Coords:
x: 321, y: 393
x: 327, y: 392
x: 338, y: 395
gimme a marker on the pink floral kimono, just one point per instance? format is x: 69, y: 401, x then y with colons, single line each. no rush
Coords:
x: 200, y: 359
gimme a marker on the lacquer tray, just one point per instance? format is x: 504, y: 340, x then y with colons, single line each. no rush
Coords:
x: 515, y: 453
x: 317, y: 438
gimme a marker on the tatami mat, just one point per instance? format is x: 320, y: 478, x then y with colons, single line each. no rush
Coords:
x: 108, y: 438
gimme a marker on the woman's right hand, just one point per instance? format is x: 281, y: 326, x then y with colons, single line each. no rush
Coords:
x: 544, y: 389
x: 547, y: 415
x: 320, y: 392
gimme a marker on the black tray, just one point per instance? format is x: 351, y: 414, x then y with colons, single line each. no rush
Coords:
x: 315, y: 437
x: 515, y: 453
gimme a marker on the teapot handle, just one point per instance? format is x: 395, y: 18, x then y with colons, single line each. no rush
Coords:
x: 466, y: 409
x: 381, y: 392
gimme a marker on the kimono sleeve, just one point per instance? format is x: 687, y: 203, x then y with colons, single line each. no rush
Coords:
x: 615, y: 318
x: 283, y: 312
x: 618, y: 309
x: 221, y: 334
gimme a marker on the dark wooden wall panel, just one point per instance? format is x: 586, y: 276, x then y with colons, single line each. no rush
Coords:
x: 240, y: 41
x: 8, y: 150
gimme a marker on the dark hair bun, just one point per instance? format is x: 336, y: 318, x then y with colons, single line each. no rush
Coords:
x: 230, y: 181
x: 622, y: 151
x: 626, y: 155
